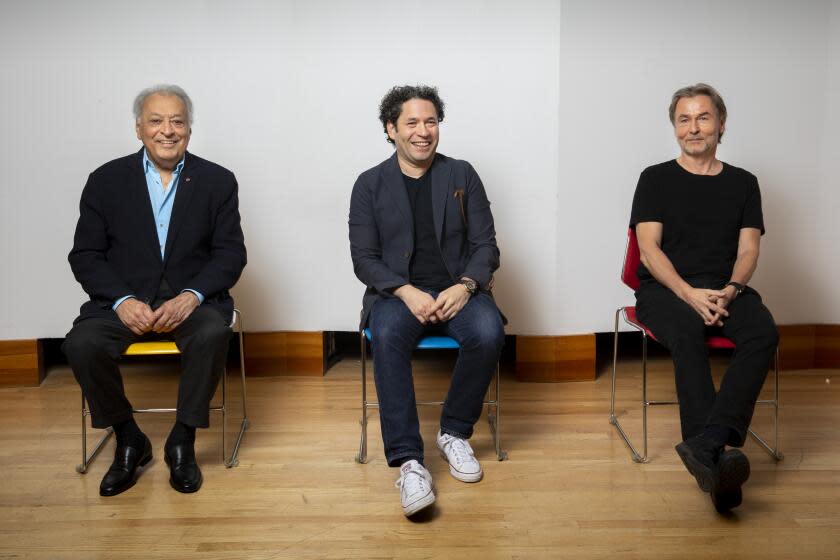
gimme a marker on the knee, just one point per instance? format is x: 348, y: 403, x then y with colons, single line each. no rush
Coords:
x: 80, y: 346
x: 213, y: 335
x: 767, y: 336
x: 687, y: 340
x: 388, y: 335
x: 487, y: 336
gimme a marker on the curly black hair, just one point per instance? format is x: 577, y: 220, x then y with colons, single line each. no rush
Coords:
x: 391, y: 105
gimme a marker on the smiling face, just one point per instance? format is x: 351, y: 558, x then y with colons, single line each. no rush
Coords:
x: 415, y: 134
x: 697, y: 125
x: 164, y: 129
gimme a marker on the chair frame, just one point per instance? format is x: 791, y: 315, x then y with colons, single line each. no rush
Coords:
x: 493, y: 403
x: 773, y: 451
x: 232, y: 461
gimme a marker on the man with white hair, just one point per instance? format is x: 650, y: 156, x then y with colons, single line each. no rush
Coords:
x: 157, y: 246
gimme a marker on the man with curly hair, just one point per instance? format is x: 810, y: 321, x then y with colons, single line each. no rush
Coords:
x: 423, y: 242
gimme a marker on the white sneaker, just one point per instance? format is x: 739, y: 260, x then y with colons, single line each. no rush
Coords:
x: 415, y: 484
x: 462, y: 462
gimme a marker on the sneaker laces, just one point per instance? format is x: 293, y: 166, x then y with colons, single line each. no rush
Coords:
x: 413, y: 484
x: 459, y: 448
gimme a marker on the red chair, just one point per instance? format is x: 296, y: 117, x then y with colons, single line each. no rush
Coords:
x: 632, y: 258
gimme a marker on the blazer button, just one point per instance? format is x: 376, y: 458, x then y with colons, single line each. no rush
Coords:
x: 407, y: 254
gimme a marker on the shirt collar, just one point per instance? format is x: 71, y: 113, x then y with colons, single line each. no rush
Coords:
x: 148, y: 163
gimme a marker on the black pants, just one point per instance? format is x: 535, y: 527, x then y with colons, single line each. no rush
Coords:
x: 681, y: 329
x: 94, y: 346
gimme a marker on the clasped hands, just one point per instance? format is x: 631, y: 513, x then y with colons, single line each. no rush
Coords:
x: 710, y: 304
x: 427, y: 309
x: 140, y: 318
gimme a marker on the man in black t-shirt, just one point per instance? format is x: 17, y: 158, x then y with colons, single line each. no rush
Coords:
x: 423, y: 242
x: 698, y: 221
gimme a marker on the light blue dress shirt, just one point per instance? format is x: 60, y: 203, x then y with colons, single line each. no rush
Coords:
x: 163, y: 199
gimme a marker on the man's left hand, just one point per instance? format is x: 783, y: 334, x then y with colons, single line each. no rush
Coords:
x: 450, y: 301
x: 174, y: 311
x: 724, y: 301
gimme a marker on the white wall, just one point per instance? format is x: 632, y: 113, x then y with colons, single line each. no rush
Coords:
x: 558, y: 111
x: 620, y: 63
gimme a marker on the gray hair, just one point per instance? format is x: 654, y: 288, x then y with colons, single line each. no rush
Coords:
x: 163, y: 89
x: 694, y: 91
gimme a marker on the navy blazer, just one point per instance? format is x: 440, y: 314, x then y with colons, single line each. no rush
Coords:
x: 382, y: 227
x: 116, y: 251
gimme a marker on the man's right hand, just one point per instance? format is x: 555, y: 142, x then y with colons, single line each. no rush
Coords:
x: 705, y: 303
x: 418, y: 302
x: 136, y: 315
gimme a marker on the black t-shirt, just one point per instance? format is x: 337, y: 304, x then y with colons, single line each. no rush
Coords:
x: 426, y: 269
x: 701, y: 216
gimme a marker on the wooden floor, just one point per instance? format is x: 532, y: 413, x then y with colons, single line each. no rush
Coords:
x: 569, y: 489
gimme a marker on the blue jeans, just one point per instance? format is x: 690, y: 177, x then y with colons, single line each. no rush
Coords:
x: 395, y: 332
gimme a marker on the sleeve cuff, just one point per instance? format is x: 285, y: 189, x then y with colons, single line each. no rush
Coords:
x: 119, y: 301
x: 198, y: 294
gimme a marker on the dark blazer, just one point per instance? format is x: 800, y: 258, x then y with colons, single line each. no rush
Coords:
x: 116, y: 251
x: 382, y: 227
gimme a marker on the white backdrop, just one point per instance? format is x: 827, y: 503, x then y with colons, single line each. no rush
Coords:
x: 559, y: 105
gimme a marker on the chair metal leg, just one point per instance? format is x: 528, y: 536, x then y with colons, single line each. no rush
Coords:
x: 774, y: 450
x: 223, y: 410
x: 234, y: 456
x: 82, y: 467
x: 638, y: 458
x: 361, y: 457
x: 494, y: 417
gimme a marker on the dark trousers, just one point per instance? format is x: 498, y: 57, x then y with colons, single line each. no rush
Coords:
x: 93, y: 348
x: 681, y: 329
x: 395, y: 332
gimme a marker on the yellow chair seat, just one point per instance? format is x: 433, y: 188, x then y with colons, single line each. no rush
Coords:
x: 156, y: 348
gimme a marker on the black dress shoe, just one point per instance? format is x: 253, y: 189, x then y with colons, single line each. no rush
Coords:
x: 184, y: 474
x: 700, y: 457
x: 123, y: 472
x: 718, y: 472
x: 733, y: 471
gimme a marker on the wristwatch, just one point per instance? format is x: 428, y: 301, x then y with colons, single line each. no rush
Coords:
x: 470, y: 284
x: 739, y: 288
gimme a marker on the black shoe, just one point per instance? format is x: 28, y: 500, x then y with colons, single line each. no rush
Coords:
x: 733, y: 472
x: 700, y: 457
x: 184, y: 474
x: 720, y: 473
x: 123, y: 472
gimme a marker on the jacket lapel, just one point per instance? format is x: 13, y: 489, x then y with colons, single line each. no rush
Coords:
x: 139, y: 195
x: 181, y: 204
x: 395, y: 185
x: 440, y: 191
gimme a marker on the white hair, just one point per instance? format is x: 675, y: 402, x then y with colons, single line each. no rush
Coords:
x: 164, y: 89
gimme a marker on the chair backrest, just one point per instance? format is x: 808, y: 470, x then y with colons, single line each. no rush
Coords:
x: 632, y: 259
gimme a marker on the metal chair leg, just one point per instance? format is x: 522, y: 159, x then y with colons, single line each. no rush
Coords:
x: 234, y: 456
x: 361, y: 457
x: 495, y: 418
x: 774, y: 450
x: 223, y: 410
x: 638, y: 458
x: 82, y: 467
